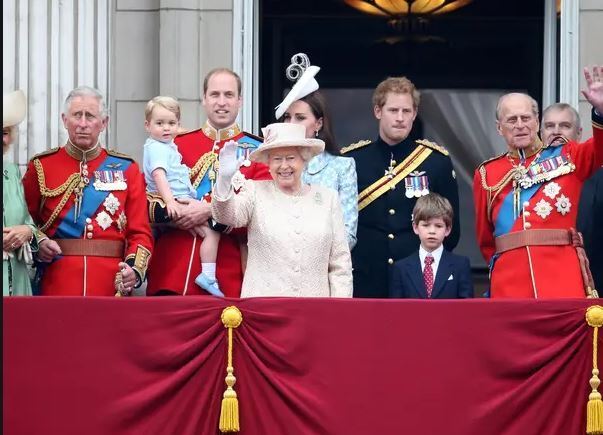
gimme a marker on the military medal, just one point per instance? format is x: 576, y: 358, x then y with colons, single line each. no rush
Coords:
x: 416, y: 184
x: 103, y: 220
x: 111, y: 203
x: 109, y: 180
x: 389, y: 172
x: 246, y: 150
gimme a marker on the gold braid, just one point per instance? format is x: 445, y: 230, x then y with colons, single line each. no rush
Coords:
x: 66, y: 188
x: 201, y: 167
x: 497, y: 188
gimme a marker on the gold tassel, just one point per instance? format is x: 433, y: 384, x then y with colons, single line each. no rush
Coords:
x: 594, y: 408
x: 229, y: 415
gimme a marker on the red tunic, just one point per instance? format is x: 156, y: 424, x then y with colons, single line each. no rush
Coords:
x: 536, y: 271
x: 176, y: 261
x: 124, y: 218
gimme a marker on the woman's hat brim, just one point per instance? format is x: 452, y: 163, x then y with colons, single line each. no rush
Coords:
x: 13, y: 108
x: 316, y: 146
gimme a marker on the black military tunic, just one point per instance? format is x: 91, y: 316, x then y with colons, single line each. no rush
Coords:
x: 385, y: 232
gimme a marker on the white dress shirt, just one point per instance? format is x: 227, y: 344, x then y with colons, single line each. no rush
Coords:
x: 437, y: 255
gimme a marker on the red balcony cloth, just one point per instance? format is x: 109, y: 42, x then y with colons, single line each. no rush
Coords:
x: 303, y: 366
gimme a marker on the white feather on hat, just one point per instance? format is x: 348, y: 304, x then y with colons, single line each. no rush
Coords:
x: 300, y: 70
x: 13, y: 108
x: 280, y: 135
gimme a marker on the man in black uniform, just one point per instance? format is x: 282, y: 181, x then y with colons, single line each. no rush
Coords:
x: 393, y: 172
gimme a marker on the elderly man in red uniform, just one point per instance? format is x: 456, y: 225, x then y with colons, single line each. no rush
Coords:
x: 91, y: 205
x: 176, y: 261
x: 526, y: 201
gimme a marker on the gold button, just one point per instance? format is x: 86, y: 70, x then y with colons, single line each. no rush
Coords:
x: 526, y: 213
x: 88, y: 220
x: 527, y: 225
x: 89, y: 235
x: 90, y: 227
x: 390, y: 261
x: 392, y: 211
x: 393, y: 163
x: 393, y: 187
x: 390, y: 236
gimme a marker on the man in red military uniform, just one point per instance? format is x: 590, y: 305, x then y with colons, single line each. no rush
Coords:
x: 91, y: 205
x: 526, y: 201
x: 176, y: 261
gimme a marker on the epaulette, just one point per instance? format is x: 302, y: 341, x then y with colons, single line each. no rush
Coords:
x: 492, y: 159
x: 433, y: 146
x: 253, y: 136
x: 115, y: 153
x: 46, y: 153
x: 184, y: 132
x: 355, y: 146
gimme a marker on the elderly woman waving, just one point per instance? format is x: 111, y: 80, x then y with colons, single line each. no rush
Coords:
x: 296, y: 236
x: 17, y: 226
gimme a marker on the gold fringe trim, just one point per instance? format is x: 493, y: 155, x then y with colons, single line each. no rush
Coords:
x: 594, y: 408
x: 229, y: 413
x: 201, y: 167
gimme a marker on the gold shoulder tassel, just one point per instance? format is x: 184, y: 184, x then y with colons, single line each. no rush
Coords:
x: 229, y: 415
x: 594, y: 408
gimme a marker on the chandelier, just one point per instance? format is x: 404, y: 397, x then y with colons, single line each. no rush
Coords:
x: 399, y: 9
x: 410, y: 17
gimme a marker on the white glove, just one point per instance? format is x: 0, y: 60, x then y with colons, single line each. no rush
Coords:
x: 229, y: 164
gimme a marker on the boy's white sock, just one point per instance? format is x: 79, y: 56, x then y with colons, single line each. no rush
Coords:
x: 209, y: 269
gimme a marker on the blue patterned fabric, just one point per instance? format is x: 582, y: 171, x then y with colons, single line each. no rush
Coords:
x: 339, y: 174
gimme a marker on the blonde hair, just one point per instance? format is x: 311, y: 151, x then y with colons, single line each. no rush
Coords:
x: 395, y: 85
x: 432, y: 206
x: 168, y: 103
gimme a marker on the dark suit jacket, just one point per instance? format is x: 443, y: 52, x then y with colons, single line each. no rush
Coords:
x: 407, y: 278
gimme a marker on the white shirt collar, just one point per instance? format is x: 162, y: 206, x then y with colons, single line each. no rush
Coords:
x: 437, y: 255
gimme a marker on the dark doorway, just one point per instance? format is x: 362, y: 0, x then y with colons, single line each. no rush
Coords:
x: 488, y: 44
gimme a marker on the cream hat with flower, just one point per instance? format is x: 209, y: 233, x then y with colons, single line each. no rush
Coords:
x: 13, y: 108
x: 281, y: 135
x: 302, y: 73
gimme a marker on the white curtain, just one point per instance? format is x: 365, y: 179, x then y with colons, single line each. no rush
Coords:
x: 464, y: 122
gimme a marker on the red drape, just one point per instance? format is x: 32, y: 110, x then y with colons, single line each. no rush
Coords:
x: 303, y: 366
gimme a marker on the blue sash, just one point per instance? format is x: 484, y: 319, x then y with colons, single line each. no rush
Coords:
x: 246, y: 145
x: 504, y: 220
x: 91, y: 200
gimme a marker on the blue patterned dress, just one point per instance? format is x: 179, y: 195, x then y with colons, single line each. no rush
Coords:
x: 339, y: 174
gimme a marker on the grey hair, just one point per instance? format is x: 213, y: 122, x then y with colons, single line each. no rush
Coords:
x: 564, y: 106
x: 305, y: 153
x: 86, y: 91
x: 533, y: 103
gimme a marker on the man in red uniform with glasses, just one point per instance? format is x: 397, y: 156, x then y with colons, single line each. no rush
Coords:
x: 526, y: 202
x: 176, y: 260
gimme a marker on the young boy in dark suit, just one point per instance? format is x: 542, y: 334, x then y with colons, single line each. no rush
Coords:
x: 432, y: 272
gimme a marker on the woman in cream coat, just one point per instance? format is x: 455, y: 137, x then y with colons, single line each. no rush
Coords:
x: 296, y: 236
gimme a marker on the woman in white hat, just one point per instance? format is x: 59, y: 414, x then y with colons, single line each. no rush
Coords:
x: 296, y: 238
x: 305, y: 105
x: 17, y: 226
